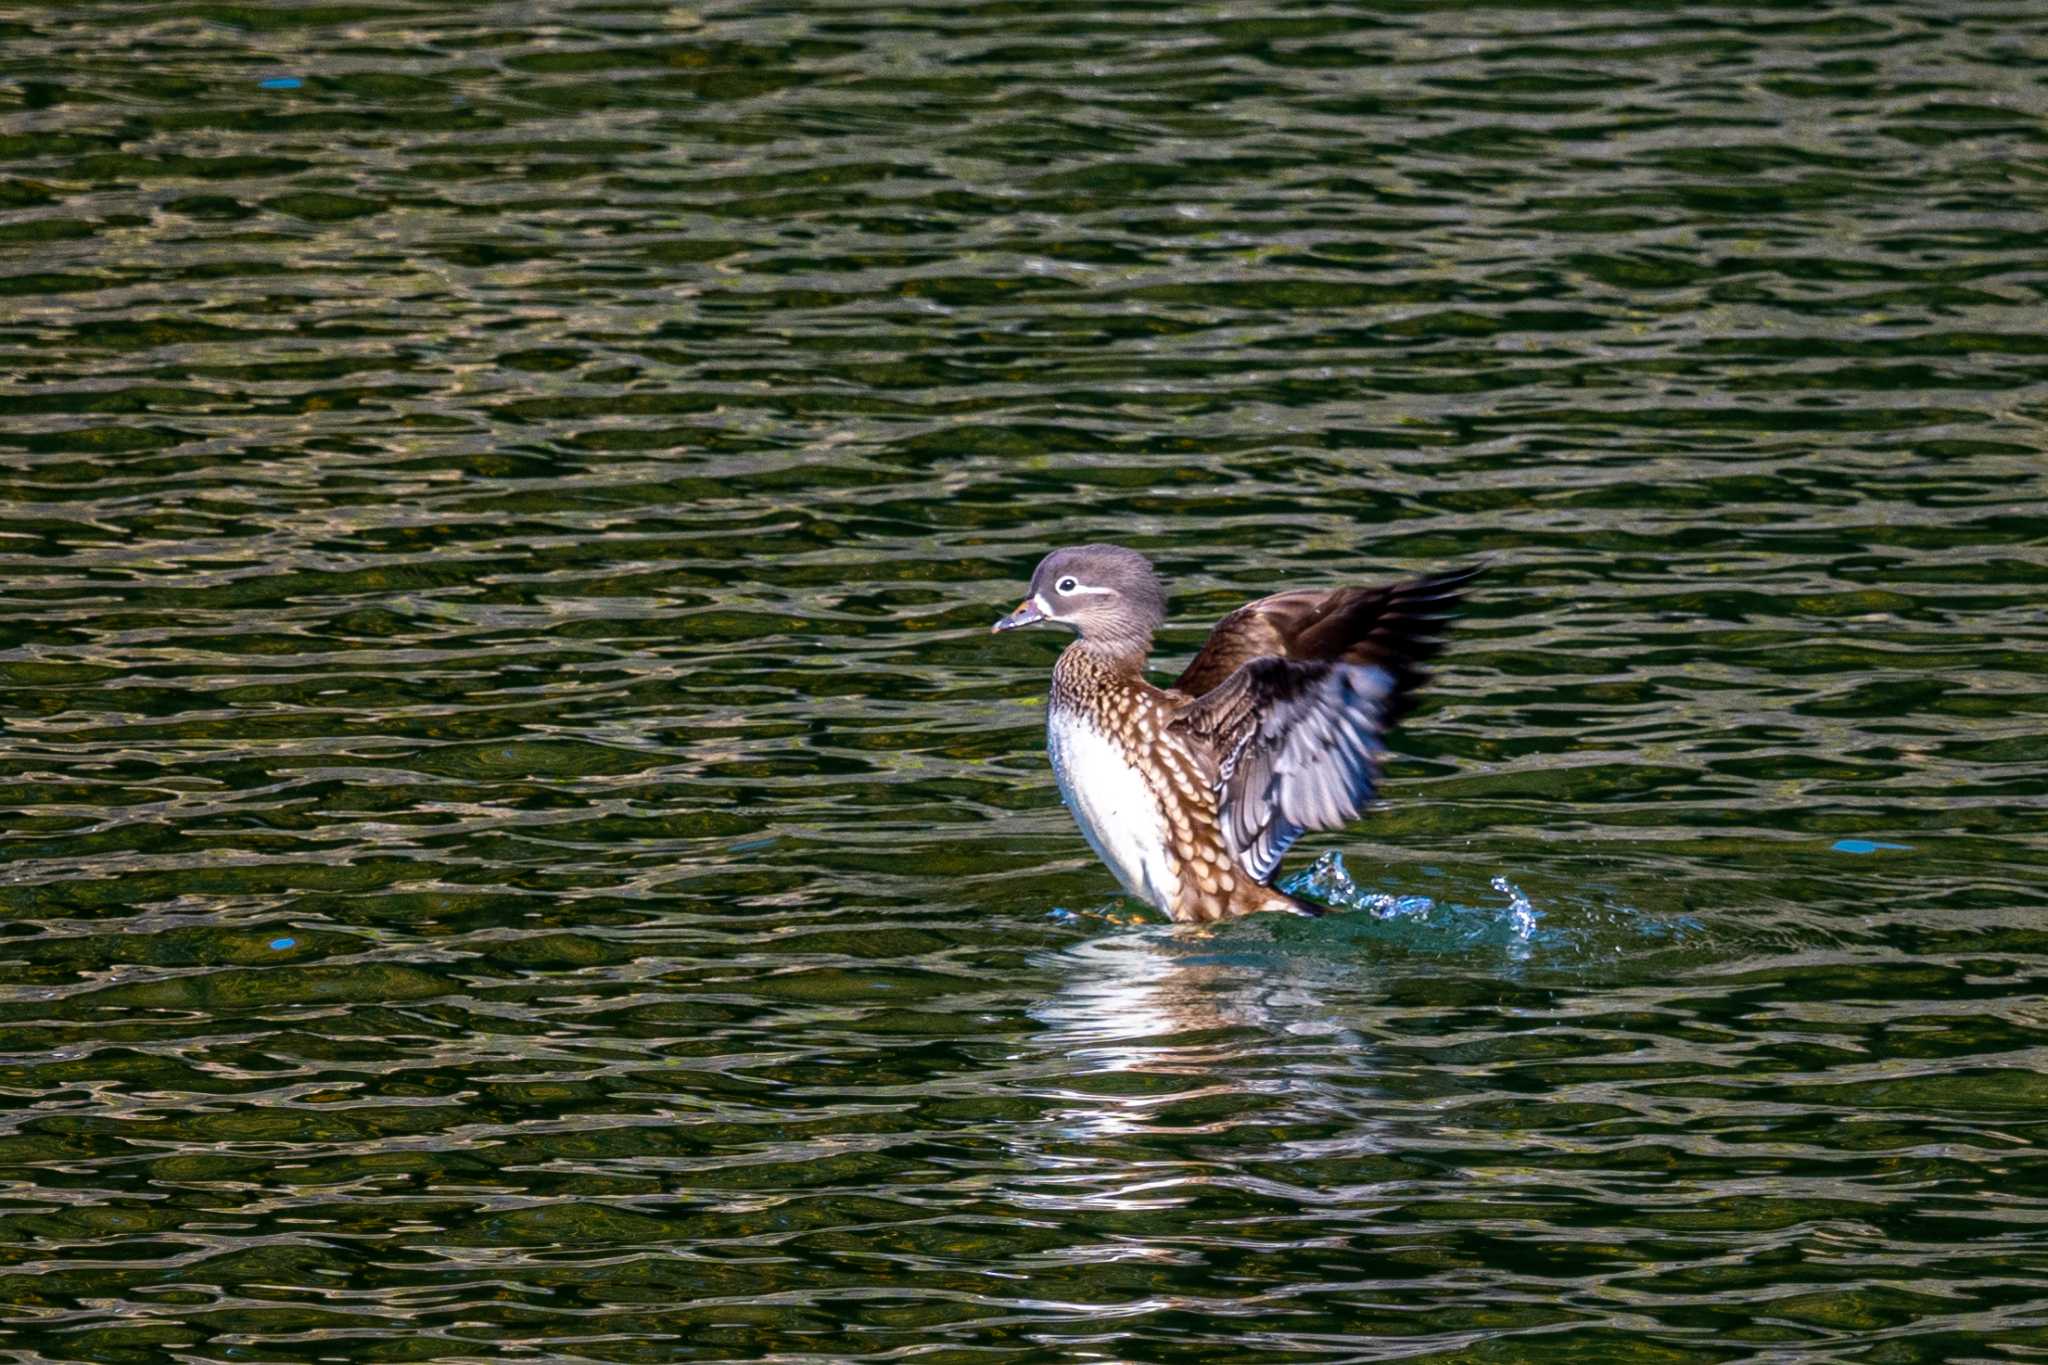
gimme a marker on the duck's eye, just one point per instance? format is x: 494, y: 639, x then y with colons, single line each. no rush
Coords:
x: 1066, y: 585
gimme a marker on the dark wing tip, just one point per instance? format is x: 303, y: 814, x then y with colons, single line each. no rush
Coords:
x: 1447, y: 587
x: 1409, y: 627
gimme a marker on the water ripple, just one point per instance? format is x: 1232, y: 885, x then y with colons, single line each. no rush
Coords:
x: 518, y: 842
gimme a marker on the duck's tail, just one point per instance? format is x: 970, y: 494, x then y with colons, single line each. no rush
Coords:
x: 1279, y: 900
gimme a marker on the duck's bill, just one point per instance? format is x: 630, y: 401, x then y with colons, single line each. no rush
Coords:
x: 1027, y: 614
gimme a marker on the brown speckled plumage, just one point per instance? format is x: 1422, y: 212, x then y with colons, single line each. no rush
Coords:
x: 1180, y: 770
x: 1192, y: 793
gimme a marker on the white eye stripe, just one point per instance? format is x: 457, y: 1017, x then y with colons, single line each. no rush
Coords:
x: 1079, y: 591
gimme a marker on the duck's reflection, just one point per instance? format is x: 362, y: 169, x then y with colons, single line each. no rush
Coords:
x: 1134, y: 999
x: 1157, y: 1028
x: 1180, y: 1073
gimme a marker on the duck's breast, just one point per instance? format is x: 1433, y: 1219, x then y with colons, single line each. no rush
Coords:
x: 1114, y: 805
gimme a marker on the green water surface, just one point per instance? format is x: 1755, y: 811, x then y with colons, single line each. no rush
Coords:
x: 516, y: 842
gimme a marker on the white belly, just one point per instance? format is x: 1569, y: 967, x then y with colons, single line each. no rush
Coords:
x: 1115, y: 809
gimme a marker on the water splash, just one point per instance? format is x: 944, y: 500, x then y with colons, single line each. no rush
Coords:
x: 1421, y: 921
x: 1328, y: 882
x: 1578, y: 931
x: 1519, y: 929
x: 1521, y: 914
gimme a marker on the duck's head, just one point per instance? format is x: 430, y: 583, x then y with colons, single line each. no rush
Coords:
x: 1107, y: 593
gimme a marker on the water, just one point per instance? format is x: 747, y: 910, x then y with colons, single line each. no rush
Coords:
x: 518, y: 844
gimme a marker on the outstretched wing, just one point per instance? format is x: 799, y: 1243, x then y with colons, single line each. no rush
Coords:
x: 1298, y: 746
x: 1396, y: 627
x: 1256, y: 630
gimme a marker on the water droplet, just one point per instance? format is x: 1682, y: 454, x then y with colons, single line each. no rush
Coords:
x: 1521, y: 914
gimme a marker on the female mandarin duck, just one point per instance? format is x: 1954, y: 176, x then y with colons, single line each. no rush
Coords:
x: 1192, y: 793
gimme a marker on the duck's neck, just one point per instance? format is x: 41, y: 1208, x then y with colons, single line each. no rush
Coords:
x: 1094, y: 661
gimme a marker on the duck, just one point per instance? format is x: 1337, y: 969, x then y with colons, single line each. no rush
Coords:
x: 1191, y: 794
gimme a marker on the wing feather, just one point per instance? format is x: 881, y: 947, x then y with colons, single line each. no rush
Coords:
x: 1397, y: 627
x: 1301, y: 745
